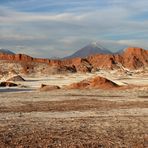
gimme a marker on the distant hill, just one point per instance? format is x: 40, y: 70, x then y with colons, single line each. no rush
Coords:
x: 93, y: 48
x: 6, y: 51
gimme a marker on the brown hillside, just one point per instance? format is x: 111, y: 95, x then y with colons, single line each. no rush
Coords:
x: 96, y: 82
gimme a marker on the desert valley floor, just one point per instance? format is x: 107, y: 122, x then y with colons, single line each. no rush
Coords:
x: 71, y: 118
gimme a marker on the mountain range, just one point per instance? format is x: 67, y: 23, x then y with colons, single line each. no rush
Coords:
x: 90, y: 49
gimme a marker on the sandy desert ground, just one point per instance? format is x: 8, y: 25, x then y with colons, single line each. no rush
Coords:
x: 89, y: 118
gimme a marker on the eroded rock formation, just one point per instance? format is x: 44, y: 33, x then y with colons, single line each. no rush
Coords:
x: 131, y: 58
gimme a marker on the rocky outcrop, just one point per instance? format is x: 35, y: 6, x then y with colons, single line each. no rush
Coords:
x: 26, y: 58
x: 8, y: 84
x: 134, y: 58
x: 48, y: 87
x: 80, y: 64
x: 16, y: 78
x: 96, y: 82
x: 104, y: 61
x: 11, y: 76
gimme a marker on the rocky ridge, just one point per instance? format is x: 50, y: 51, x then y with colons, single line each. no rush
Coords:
x: 131, y: 58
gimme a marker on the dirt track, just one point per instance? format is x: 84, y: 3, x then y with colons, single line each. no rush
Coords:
x: 74, y: 118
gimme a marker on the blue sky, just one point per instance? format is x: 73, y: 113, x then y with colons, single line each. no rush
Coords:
x: 48, y: 28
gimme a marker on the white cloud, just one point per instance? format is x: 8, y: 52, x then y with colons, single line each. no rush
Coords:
x: 19, y: 37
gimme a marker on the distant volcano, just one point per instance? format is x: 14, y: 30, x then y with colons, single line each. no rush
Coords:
x: 93, y: 48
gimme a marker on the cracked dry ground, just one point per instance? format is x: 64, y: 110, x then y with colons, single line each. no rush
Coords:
x: 74, y: 119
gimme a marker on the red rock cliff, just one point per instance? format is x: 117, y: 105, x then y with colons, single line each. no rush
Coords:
x: 132, y: 58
